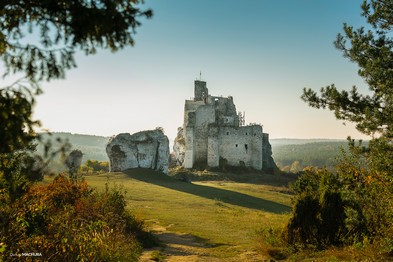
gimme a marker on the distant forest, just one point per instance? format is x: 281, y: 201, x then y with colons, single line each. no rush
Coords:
x: 301, y: 153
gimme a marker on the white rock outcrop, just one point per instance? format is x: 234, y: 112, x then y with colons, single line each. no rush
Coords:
x: 179, y: 147
x: 145, y: 149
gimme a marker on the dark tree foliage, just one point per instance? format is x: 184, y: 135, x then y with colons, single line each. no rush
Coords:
x: 372, y: 50
x: 38, y: 39
x: 318, y: 216
x: 63, y: 27
x: 16, y: 131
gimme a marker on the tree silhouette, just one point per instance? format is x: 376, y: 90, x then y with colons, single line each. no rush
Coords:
x: 38, y: 39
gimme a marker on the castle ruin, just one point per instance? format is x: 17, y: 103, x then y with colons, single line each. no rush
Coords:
x: 213, y: 130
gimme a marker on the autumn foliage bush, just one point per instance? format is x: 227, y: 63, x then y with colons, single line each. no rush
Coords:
x: 350, y: 207
x: 66, y: 220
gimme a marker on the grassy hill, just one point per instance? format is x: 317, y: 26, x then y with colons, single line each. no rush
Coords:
x: 206, y: 220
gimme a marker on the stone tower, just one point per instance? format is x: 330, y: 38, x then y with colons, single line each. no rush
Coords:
x: 211, y: 132
x: 200, y: 91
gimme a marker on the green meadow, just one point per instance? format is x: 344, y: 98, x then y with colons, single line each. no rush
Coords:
x: 204, y: 220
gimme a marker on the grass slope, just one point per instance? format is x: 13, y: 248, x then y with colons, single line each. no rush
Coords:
x: 221, y: 218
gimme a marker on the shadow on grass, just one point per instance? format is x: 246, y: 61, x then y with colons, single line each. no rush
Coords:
x: 184, y: 244
x: 223, y: 195
x: 187, y: 240
x: 256, y: 177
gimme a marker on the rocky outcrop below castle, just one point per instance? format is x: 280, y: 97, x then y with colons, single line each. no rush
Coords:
x: 268, y: 163
x: 145, y: 149
x: 179, y: 147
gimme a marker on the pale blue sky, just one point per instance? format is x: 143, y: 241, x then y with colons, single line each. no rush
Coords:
x: 261, y: 52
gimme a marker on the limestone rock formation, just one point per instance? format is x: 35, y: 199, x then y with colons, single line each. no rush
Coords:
x: 73, y: 161
x: 268, y: 163
x: 172, y: 160
x: 179, y: 147
x: 145, y: 149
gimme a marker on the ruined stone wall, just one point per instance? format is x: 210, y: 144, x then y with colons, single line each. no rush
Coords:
x: 226, y: 114
x: 192, y: 130
x: 204, y: 115
x: 211, y: 130
x: 189, y: 154
x: 213, y: 147
x: 241, y: 144
x: 190, y: 107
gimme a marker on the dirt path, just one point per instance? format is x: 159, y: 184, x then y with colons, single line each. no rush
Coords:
x: 178, y: 247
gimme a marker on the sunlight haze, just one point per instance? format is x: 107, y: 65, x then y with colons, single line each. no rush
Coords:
x: 263, y: 53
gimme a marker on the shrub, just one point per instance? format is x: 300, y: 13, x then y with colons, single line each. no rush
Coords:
x: 97, y: 166
x: 349, y: 207
x: 318, y: 215
x: 67, y: 220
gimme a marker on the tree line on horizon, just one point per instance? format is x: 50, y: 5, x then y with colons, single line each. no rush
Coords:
x: 295, y: 157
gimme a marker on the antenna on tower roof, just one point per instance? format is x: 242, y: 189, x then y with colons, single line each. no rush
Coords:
x: 200, y: 75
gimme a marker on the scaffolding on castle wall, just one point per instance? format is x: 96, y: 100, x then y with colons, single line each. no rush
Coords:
x: 242, y: 118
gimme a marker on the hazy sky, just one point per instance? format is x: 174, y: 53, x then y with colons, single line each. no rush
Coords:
x: 261, y: 52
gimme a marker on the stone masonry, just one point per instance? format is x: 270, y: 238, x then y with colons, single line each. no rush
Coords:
x: 213, y: 129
